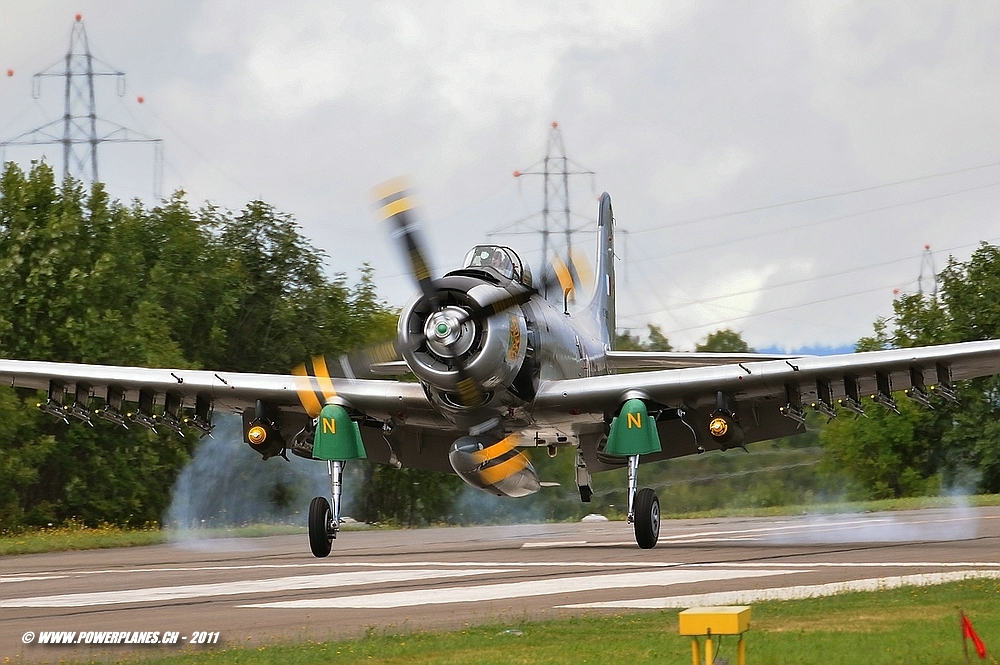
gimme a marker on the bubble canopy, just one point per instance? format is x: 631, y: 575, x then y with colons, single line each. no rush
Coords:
x: 501, y: 259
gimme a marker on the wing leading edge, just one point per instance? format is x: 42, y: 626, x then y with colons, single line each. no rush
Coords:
x: 813, y: 378
x: 230, y: 390
x: 682, y: 359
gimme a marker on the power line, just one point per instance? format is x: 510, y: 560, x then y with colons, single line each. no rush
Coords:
x: 820, y: 197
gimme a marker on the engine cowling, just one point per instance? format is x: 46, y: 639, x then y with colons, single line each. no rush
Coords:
x: 435, y: 341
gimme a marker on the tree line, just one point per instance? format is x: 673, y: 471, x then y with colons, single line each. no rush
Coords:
x: 90, y: 280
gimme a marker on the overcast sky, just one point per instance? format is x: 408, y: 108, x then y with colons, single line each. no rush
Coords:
x: 707, y: 122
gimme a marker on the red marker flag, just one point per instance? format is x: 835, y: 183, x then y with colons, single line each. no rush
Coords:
x: 968, y: 632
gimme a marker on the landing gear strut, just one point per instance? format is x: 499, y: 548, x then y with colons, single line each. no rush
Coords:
x: 643, y: 508
x: 324, y: 523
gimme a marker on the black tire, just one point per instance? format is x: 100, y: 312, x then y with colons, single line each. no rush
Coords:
x: 647, y: 518
x: 320, y: 538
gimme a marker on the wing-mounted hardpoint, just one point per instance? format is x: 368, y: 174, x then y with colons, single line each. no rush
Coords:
x: 883, y: 391
x: 54, y: 403
x: 81, y: 407
x: 724, y: 425
x: 945, y: 388
x: 852, y: 395
x: 114, y: 407
x: 201, y: 419
x: 824, y: 399
x: 263, y: 431
x: 793, y: 405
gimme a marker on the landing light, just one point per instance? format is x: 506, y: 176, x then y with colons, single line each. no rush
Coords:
x: 257, y: 435
x: 718, y: 427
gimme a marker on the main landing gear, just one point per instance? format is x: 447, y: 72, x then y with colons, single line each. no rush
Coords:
x: 324, y: 523
x: 643, y: 508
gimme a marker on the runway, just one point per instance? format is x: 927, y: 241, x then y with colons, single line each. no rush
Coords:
x: 252, y: 591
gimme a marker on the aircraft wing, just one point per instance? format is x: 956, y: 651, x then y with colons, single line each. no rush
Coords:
x: 897, y: 369
x: 231, y: 390
x: 681, y: 359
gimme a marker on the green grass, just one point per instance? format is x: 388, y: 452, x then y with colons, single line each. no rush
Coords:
x: 908, y: 503
x: 78, y: 537
x: 75, y: 536
x: 915, y: 625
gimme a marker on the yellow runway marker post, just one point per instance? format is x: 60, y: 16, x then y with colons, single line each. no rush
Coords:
x: 709, y: 621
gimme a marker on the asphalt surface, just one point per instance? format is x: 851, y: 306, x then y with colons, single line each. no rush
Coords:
x: 253, y: 591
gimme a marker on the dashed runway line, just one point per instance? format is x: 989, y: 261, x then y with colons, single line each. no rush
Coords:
x: 294, y: 583
x: 789, y: 593
x: 505, y: 591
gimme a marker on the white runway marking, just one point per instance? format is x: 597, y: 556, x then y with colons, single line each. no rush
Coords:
x: 789, y: 593
x: 487, y: 592
x: 295, y: 583
x: 30, y: 578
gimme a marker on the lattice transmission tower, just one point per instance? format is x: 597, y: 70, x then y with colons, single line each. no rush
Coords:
x: 556, y: 215
x: 80, y: 131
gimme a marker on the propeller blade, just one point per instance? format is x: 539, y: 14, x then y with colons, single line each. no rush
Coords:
x: 394, y: 202
x: 469, y: 392
x: 377, y: 360
x: 480, y: 313
x: 314, y: 385
x: 565, y: 277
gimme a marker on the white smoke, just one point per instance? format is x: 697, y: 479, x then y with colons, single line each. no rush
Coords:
x: 956, y: 521
x: 226, y: 484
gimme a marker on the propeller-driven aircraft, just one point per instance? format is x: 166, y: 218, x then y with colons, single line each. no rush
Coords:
x: 501, y: 369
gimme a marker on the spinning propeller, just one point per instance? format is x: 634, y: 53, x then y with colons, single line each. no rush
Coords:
x: 450, y: 327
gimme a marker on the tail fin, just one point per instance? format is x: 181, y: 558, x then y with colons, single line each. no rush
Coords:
x: 602, y: 303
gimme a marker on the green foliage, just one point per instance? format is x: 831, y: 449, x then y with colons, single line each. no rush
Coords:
x: 626, y: 341
x: 919, y: 451
x: 410, y: 497
x: 884, y: 455
x: 85, y: 279
x: 724, y: 341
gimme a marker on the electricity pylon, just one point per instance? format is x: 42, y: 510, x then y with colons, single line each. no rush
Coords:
x: 555, y: 169
x: 82, y: 131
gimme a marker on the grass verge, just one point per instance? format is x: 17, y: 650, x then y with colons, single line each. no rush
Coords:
x: 76, y: 536
x: 908, y: 503
x: 915, y: 625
